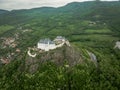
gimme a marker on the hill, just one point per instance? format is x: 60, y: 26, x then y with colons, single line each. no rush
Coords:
x: 92, y: 29
x: 3, y: 11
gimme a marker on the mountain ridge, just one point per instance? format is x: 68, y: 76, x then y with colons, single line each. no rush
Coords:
x: 2, y: 11
x: 92, y: 62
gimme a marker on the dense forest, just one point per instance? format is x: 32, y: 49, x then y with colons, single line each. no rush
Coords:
x: 89, y: 26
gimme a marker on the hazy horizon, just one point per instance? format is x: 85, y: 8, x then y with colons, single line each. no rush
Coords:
x: 28, y: 4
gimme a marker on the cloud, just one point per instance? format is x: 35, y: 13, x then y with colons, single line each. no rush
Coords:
x: 26, y: 4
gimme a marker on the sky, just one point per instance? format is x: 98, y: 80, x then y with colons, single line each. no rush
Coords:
x: 27, y: 4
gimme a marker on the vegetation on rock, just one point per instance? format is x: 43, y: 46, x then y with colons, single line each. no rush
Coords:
x: 89, y: 26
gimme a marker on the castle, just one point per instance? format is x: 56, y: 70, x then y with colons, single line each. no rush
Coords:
x: 46, y: 44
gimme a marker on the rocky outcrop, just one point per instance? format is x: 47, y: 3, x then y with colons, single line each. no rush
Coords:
x: 93, y: 57
x: 59, y: 56
x: 117, y: 45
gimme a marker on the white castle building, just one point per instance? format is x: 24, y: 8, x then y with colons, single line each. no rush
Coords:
x: 59, y: 39
x: 47, y: 44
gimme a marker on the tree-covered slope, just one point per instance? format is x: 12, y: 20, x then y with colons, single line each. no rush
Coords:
x: 15, y: 16
x: 3, y: 11
x: 107, y: 12
x: 91, y: 27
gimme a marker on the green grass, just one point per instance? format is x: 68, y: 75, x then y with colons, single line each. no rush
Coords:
x: 98, y: 31
x: 93, y: 37
x: 5, y: 28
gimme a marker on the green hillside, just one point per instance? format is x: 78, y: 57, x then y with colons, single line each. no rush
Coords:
x: 3, y: 11
x: 91, y: 27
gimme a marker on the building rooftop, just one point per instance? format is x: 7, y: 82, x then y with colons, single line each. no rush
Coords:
x: 60, y: 37
x: 46, y: 41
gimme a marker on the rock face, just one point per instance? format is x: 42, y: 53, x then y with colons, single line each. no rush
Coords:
x: 117, y: 45
x: 59, y: 56
x: 93, y: 57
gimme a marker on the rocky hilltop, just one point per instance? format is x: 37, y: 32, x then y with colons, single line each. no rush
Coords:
x: 59, y: 56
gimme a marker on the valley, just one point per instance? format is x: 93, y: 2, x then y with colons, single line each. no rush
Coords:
x: 92, y: 61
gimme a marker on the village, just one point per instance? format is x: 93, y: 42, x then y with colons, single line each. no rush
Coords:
x: 11, y: 42
x: 43, y: 45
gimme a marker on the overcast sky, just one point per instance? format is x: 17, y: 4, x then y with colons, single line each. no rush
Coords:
x: 26, y: 4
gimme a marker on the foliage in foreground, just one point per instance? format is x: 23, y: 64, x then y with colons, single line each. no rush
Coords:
x: 51, y: 77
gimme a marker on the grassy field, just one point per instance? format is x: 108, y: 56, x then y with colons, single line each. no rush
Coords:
x: 5, y: 28
x: 90, y: 31
x: 93, y: 37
